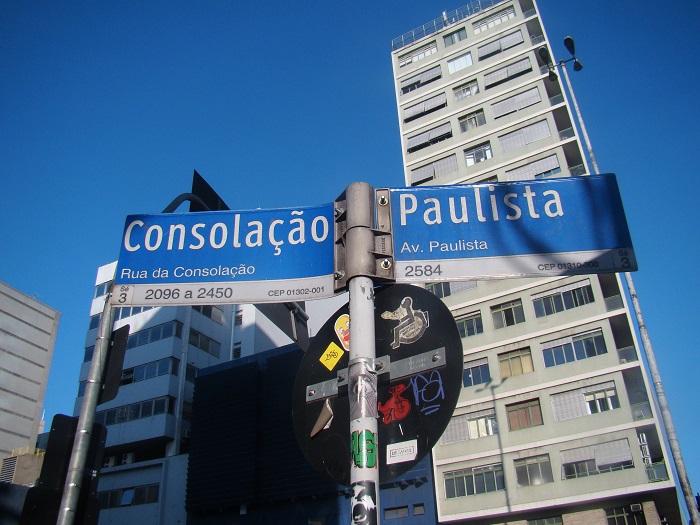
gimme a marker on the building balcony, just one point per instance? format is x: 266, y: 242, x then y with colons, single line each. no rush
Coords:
x: 657, y: 472
x: 613, y: 303
x: 627, y: 354
x: 641, y: 411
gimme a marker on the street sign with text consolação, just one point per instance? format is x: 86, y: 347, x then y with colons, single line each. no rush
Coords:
x: 225, y: 257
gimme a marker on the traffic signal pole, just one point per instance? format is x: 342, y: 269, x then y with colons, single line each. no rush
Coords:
x: 81, y: 444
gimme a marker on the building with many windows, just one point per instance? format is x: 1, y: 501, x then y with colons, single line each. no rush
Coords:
x: 556, y: 422
x: 149, y: 422
x: 28, y: 330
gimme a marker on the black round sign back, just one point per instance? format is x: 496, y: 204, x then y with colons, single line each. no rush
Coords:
x: 419, y: 346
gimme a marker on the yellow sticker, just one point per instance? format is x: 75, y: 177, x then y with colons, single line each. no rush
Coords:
x: 342, y: 330
x: 331, y: 356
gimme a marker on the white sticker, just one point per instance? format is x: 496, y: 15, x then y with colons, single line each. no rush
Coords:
x: 401, y: 452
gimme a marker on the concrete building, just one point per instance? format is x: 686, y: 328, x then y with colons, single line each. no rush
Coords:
x: 556, y: 423
x: 148, y: 423
x: 28, y: 330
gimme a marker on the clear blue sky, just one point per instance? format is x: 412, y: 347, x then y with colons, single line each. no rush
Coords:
x: 107, y: 107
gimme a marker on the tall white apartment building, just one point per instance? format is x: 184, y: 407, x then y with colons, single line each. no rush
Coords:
x: 148, y: 423
x: 556, y: 422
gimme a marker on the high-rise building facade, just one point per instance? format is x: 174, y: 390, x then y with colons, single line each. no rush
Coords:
x: 556, y: 422
x: 148, y: 423
x: 28, y: 330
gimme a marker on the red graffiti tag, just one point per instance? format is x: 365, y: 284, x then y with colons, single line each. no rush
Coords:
x: 397, y: 407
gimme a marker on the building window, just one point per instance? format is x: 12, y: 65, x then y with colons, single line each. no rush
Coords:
x: 596, y: 459
x: 87, y: 356
x: 474, y: 425
x: 470, y: 324
x: 428, y: 138
x: 454, y: 37
x: 524, y: 136
x: 624, y: 516
x: 585, y: 401
x: 212, y: 312
x: 467, y: 90
x: 418, y: 54
x: 476, y: 372
x: 238, y: 321
x: 552, y: 520
x: 515, y: 363
x: 482, y: 424
x: 158, y: 368
x: 396, y: 512
x: 472, y: 120
x: 190, y: 373
x: 575, y: 348
x: 459, y: 63
x: 532, y: 471
x: 564, y: 298
x: 418, y: 509
x: 478, y: 153
x: 128, y: 311
x: 94, y: 321
x: 425, y: 108
x: 524, y: 415
x: 434, y: 170
x: 602, y: 401
x: 508, y: 314
x: 102, y: 289
x: 127, y: 497
x: 237, y: 350
x: 205, y: 343
x: 140, y: 410
x: 421, y: 79
x: 475, y: 480
x: 507, y: 73
x: 539, y: 169
x: 500, y: 45
x: 516, y: 103
x: 154, y: 333
x: 493, y: 20
x: 439, y: 289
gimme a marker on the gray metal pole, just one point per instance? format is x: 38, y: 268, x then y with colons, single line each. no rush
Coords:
x: 648, y: 350
x: 81, y: 444
x: 663, y: 407
x: 580, y: 118
x: 364, y: 469
x: 362, y: 377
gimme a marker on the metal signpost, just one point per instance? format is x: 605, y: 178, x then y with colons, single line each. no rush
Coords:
x: 565, y: 226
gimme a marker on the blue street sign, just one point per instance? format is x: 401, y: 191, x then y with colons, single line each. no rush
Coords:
x: 564, y: 226
x: 226, y: 257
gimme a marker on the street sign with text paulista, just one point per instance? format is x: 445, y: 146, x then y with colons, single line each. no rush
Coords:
x: 563, y: 226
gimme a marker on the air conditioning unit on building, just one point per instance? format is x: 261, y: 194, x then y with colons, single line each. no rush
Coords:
x: 636, y: 507
x: 127, y: 458
x: 109, y: 461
